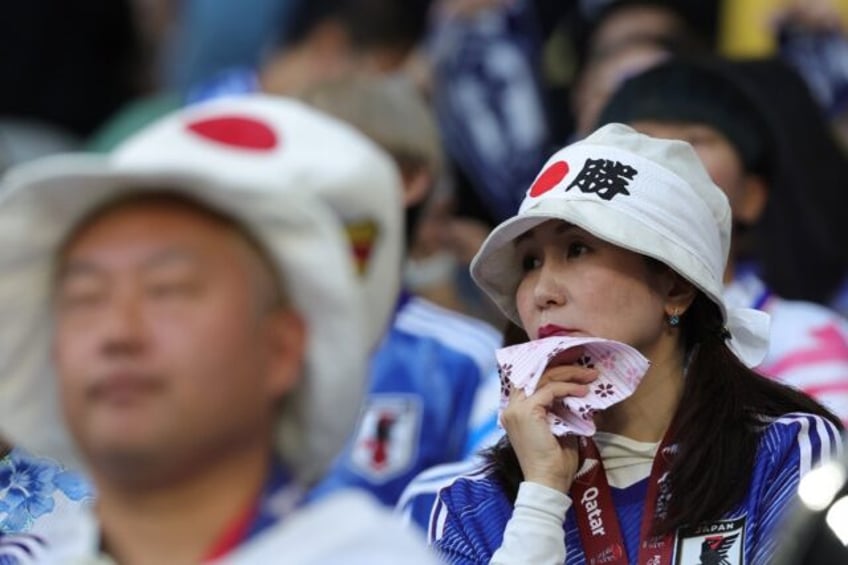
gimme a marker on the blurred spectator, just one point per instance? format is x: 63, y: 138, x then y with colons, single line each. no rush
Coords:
x: 488, y: 99
x: 418, y: 498
x: 603, y: 25
x: 206, y: 37
x: 326, y: 39
x: 809, y: 35
x: 209, y: 334
x: 427, y: 371
x: 618, y: 39
x: 751, y: 28
x: 706, y: 106
x: 808, y: 180
x: 312, y: 42
x: 604, y: 72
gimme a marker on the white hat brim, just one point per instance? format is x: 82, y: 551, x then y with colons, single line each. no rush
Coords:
x: 43, y: 201
x: 497, y: 271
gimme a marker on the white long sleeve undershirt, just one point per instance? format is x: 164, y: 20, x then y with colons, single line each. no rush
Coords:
x: 534, y: 533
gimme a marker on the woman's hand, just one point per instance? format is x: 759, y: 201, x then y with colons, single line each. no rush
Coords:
x: 545, y: 458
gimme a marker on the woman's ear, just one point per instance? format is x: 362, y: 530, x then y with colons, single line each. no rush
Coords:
x: 679, y: 293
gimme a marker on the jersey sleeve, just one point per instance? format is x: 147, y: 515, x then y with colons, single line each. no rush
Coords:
x: 468, y: 520
x: 790, y: 447
x: 416, y: 503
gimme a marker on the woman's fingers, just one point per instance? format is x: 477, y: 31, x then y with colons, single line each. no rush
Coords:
x: 565, y: 373
x: 541, y: 399
x: 548, y: 392
x: 544, y: 459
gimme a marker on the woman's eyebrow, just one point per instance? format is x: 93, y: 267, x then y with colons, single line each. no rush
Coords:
x: 559, y: 230
x: 564, y: 227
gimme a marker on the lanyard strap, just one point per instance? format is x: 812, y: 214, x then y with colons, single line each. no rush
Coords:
x: 280, y: 496
x: 600, y: 532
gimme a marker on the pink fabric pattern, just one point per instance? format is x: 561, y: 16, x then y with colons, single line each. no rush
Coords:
x: 620, y: 367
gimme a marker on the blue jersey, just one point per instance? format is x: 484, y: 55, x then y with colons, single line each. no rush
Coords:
x: 419, y: 412
x: 468, y: 520
x: 418, y: 500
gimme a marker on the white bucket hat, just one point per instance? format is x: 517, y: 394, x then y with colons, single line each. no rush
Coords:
x: 262, y: 161
x: 648, y: 195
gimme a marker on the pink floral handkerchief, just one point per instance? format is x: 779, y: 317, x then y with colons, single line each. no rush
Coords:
x: 620, y: 367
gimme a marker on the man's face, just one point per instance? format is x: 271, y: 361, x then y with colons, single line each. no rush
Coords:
x: 168, y: 349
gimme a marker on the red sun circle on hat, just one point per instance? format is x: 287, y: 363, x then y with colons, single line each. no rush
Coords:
x: 236, y: 131
x: 549, y: 178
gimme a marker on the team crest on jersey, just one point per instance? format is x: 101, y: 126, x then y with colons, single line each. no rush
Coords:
x: 363, y: 237
x: 387, y: 439
x: 714, y: 543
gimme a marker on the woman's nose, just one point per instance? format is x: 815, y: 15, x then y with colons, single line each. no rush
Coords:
x: 548, y: 289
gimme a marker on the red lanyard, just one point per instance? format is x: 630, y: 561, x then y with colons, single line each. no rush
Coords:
x: 597, y: 522
x: 234, y: 534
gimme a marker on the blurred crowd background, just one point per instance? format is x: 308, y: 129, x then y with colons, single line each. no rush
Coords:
x: 471, y: 97
x: 505, y: 82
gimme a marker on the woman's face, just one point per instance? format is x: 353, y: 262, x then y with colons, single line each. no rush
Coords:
x: 577, y: 284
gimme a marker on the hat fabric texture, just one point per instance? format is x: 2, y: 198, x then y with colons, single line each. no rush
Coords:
x: 700, y: 91
x: 272, y: 165
x: 647, y: 195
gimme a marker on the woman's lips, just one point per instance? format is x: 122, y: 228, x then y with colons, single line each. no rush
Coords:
x: 552, y: 330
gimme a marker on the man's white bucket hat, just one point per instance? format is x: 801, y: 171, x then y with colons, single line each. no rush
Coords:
x: 648, y: 195
x: 271, y: 164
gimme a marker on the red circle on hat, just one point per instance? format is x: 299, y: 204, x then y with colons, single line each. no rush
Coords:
x: 549, y: 178
x: 236, y: 131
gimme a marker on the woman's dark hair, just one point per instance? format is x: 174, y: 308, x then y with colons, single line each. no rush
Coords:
x: 723, y: 408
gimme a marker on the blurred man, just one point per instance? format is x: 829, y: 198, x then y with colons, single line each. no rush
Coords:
x: 208, y: 336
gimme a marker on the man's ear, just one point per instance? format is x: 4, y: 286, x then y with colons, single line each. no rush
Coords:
x: 753, y: 200
x: 287, y: 337
x: 416, y: 186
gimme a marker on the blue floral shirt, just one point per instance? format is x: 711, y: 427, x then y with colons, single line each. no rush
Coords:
x: 37, y: 498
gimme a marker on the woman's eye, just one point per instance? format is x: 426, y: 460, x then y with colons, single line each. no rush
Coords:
x: 576, y: 249
x: 530, y: 262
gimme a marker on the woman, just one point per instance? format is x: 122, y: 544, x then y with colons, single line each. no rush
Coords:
x: 625, y: 237
x: 742, y: 147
